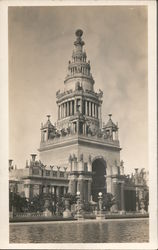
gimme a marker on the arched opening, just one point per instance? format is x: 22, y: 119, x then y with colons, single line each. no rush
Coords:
x: 98, y: 178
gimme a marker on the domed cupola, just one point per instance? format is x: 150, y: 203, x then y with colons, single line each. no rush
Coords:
x: 110, y: 124
x: 47, y: 130
x: 48, y: 124
x: 111, y: 129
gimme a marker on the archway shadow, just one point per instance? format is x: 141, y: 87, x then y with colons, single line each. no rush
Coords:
x: 98, y: 178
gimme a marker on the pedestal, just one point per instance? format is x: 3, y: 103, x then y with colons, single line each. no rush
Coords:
x: 79, y: 216
x: 100, y: 216
x: 47, y: 213
x: 67, y: 214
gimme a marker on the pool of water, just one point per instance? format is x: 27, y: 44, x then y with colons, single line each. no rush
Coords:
x: 132, y: 230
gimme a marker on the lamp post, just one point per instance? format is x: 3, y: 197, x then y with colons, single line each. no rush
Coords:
x: 100, y: 215
x: 78, y: 215
x: 100, y: 201
x: 78, y: 202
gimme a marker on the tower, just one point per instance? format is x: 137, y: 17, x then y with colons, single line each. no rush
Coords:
x: 90, y: 151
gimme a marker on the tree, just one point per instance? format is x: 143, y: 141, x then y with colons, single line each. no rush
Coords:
x: 37, y: 203
x: 72, y: 198
x: 17, y: 202
x: 146, y: 200
x: 108, y: 201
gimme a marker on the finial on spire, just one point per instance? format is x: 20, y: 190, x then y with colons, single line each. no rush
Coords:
x: 79, y: 41
x: 48, y: 117
x: 79, y: 33
x: 109, y: 116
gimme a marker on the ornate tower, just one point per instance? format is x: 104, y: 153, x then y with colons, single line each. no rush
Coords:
x: 90, y: 152
x: 79, y: 106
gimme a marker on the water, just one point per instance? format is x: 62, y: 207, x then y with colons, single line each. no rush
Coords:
x: 135, y: 230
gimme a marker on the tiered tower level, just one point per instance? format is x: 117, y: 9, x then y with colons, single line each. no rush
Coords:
x: 78, y: 141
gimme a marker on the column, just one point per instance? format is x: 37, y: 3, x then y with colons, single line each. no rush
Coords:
x: 59, y: 112
x: 85, y: 190
x: 58, y: 191
x: 77, y: 126
x: 83, y: 132
x: 65, y: 109
x: 89, y: 189
x: 75, y: 106
x: 72, y: 186
x: 92, y: 109
x: 100, y: 116
x: 122, y: 197
x: 114, y: 192
x: 81, y: 106
x: 27, y: 190
x: 86, y: 113
x: 80, y: 188
x: 95, y: 110
x: 90, y: 113
x: 52, y: 190
x: 65, y: 189
x: 62, y: 111
x: 70, y: 107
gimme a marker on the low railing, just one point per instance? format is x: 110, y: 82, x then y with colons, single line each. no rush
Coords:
x: 28, y: 214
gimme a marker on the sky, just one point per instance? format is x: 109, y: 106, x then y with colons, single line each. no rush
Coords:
x: 40, y: 46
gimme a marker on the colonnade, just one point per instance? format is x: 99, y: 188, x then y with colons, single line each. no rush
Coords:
x: 66, y: 109
x: 36, y: 189
x: 85, y: 107
x: 81, y: 185
x: 83, y: 70
x: 76, y: 59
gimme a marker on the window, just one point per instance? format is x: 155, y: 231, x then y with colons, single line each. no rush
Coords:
x: 61, y: 174
x: 55, y: 173
x: 47, y: 173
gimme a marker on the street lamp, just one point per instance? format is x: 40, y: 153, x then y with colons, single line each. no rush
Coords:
x: 79, y: 214
x: 78, y: 194
x: 100, y: 201
x: 100, y: 215
x: 78, y: 202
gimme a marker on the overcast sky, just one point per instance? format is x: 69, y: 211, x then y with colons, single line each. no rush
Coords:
x: 40, y: 46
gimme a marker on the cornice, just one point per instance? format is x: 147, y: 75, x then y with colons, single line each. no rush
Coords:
x: 79, y: 140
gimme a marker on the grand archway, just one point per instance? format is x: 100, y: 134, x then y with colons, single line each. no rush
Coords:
x: 98, y: 178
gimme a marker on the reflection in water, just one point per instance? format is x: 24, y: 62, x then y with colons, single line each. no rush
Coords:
x: 81, y: 232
